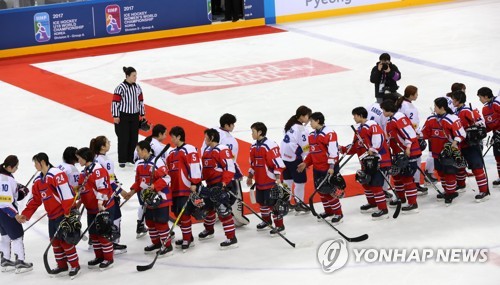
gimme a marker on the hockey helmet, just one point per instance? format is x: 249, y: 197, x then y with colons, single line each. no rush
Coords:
x: 144, y: 125
x: 363, y: 177
x: 370, y: 164
x: 151, y: 198
x: 104, y: 223
x: 422, y: 143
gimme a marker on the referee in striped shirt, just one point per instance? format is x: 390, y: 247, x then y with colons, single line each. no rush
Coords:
x: 127, y: 109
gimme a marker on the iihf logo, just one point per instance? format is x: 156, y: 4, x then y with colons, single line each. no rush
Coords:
x: 333, y: 255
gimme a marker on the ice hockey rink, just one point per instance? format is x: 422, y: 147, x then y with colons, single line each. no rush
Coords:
x: 433, y: 46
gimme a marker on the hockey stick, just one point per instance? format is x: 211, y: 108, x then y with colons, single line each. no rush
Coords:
x: 29, y: 181
x: 141, y: 268
x: 46, y: 252
x: 355, y: 239
x: 32, y: 177
x: 239, y: 218
x: 311, y: 198
x: 398, y: 201
x: 428, y: 180
x: 488, y: 149
x: 268, y: 224
x: 35, y: 222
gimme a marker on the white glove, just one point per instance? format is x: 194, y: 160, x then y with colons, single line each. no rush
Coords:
x: 144, y: 185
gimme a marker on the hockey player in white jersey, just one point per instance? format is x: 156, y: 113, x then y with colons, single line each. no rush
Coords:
x: 155, y: 140
x: 100, y: 146
x: 10, y: 230
x: 405, y: 105
x: 294, y: 147
x: 226, y: 123
x: 68, y: 166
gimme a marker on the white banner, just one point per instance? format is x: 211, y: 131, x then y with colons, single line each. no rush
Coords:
x: 290, y: 7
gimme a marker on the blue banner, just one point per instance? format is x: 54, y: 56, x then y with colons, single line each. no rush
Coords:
x: 86, y: 20
x: 254, y: 9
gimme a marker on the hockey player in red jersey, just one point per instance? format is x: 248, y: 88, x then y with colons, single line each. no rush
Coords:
x: 184, y: 169
x: 266, y: 166
x: 218, y: 172
x: 323, y: 156
x: 404, y: 145
x: 491, y: 114
x: 444, y: 132
x: 98, y: 198
x: 470, y: 147
x: 156, y: 196
x: 52, y: 189
x: 373, y: 137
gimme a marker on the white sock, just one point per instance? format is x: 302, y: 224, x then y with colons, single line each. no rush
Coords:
x: 299, y: 190
x: 18, y: 248
x: 5, y: 246
x: 117, y: 223
x: 140, y: 213
x: 289, y: 182
x: 416, y: 177
x: 429, y: 167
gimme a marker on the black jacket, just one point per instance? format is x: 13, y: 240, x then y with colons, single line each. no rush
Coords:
x: 389, y: 79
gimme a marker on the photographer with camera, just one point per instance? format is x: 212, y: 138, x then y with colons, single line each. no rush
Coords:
x: 384, y: 75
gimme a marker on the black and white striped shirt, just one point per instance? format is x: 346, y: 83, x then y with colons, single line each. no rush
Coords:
x: 127, y: 99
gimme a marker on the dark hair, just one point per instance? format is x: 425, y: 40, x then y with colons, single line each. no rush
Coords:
x: 301, y: 111
x: 86, y: 153
x: 144, y: 144
x: 178, y: 131
x: 485, y: 92
x: 157, y: 130
x: 389, y: 106
x: 11, y: 161
x: 441, y: 102
x: 409, y: 91
x: 227, y: 119
x: 213, y: 135
x: 42, y: 156
x: 128, y: 70
x: 384, y: 56
x: 459, y: 96
x: 360, y: 111
x: 318, y: 116
x: 456, y: 87
x: 97, y: 143
x: 259, y: 126
x: 69, y: 155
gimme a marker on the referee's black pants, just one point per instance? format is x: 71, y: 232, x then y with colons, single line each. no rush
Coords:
x: 127, y: 132
x: 233, y: 9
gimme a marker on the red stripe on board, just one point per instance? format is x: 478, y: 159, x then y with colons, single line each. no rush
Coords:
x: 96, y: 102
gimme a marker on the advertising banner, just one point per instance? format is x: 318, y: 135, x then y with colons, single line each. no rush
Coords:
x: 291, y: 7
x: 86, y: 20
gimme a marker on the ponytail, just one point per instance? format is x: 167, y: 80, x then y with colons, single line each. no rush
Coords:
x: 97, y: 143
x: 292, y: 121
x: 441, y: 102
x: 11, y: 161
x: 410, y: 90
x: 301, y: 111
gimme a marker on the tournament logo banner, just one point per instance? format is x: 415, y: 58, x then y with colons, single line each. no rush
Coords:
x: 42, y: 27
x: 113, y: 19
